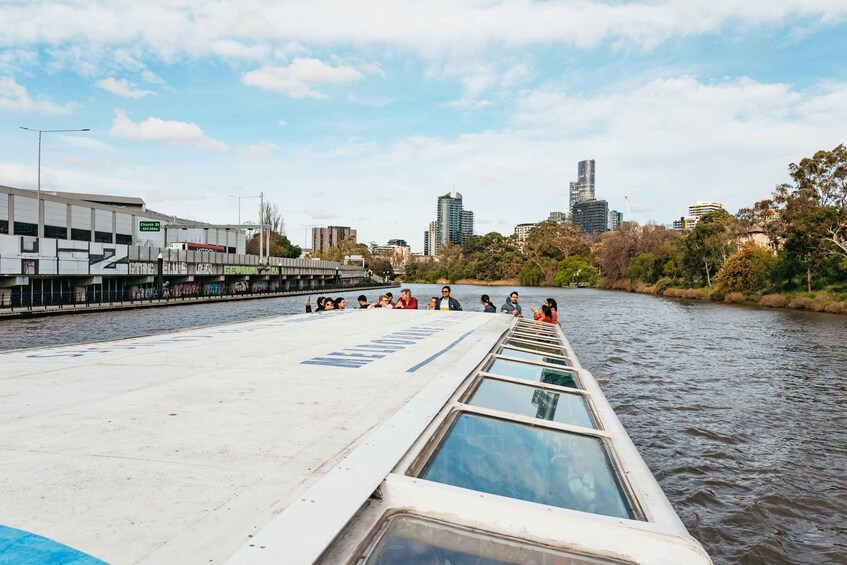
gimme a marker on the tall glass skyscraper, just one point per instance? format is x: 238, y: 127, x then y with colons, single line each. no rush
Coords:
x: 585, y: 178
x: 583, y: 188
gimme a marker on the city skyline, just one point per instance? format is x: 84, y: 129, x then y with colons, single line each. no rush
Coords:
x: 344, y: 118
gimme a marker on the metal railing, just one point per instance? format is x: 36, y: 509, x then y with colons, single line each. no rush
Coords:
x: 25, y: 300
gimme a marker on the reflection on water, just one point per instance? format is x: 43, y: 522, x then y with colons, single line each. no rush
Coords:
x: 739, y: 412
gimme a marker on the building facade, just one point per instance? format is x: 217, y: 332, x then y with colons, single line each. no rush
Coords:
x: 615, y: 219
x: 330, y: 236
x: 559, y: 217
x: 522, y: 232
x: 591, y: 216
x: 700, y: 208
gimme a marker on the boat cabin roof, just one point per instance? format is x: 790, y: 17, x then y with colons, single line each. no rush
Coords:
x: 344, y: 437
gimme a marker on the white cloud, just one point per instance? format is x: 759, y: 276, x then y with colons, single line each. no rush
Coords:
x: 151, y: 77
x: 281, y: 123
x: 255, y: 29
x: 122, y: 87
x: 260, y: 150
x: 469, y: 104
x: 156, y: 129
x: 300, y: 78
x: 14, y: 96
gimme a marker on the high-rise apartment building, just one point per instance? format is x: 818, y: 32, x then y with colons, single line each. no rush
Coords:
x: 701, y: 208
x: 592, y: 216
x: 559, y: 217
x: 324, y: 238
x: 466, y: 229
x: 522, y: 232
x: 430, y: 239
x: 615, y: 219
x: 454, y: 224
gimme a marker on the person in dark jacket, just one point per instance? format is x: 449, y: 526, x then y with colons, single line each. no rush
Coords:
x: 487, y: 306
x: 447, y: 302
x: 363, y: 301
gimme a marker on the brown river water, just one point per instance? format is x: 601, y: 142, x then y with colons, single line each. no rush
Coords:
x: 740, y: 412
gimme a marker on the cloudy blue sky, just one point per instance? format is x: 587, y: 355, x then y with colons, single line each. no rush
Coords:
x: 361, y: 114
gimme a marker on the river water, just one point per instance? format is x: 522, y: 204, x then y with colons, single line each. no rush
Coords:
x: 739, y: 412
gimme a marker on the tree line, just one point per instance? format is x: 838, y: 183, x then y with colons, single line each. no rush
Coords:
x: 794, y: 240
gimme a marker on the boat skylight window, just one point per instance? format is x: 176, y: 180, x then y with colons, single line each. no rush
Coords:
x: 418, y: 541
x: 539, y: 338
x: 529, y: 463
x: 516, y: 354
x: 534, y: 402
x: 534, y: 346
x: 536, y: 373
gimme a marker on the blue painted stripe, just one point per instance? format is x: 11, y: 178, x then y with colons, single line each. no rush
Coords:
x: 18, y: 547
x: 435, y: 356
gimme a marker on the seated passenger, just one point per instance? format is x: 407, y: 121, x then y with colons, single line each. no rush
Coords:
x: 340, y: 303
x: 487, y: 306
x: 544, y: 315
x: 320, y: 301
x: 384, y: 302
x: 406, y: 300
x: 432, y: 303
x: 363, y: 301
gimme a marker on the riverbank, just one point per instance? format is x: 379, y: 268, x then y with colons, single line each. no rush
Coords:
x: 62, y: 309
x: 816, y: 301
x: 475, y: 282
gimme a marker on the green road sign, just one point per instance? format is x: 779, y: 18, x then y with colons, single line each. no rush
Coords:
x: 149, y: 226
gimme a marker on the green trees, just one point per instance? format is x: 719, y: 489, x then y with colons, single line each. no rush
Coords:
x: 575, y: 270
x: 708, y: 245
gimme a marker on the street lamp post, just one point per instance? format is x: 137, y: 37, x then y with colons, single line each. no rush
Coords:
x: 240, y: 198
x: 305, y: 236
x: 41, y: 131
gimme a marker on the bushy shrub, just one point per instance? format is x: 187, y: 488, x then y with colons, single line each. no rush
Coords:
x: 746, y: 270
x: 774, y: 301
x: 736, y: 297
x: 663, y: 284
x: 802, y: 303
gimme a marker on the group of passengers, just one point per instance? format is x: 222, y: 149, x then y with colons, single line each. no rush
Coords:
x: 548, y: 312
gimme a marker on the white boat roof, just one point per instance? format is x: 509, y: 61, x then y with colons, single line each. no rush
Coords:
x: 257, y: 442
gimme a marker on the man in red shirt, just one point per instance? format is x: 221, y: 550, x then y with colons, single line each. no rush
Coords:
x: 406, y: 300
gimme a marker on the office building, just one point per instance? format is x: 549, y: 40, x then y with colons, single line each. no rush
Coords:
x: 398, y: 243
x: 330, y: 236
x: 592, y: 216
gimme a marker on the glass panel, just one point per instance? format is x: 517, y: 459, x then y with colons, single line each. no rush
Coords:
x: 506, y: 352
x: 417, y: 541
x: 536, y: 337
x: 533, y: 373
x: 528, y: 463
x: 535, y: 346
x: 533, y: 402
